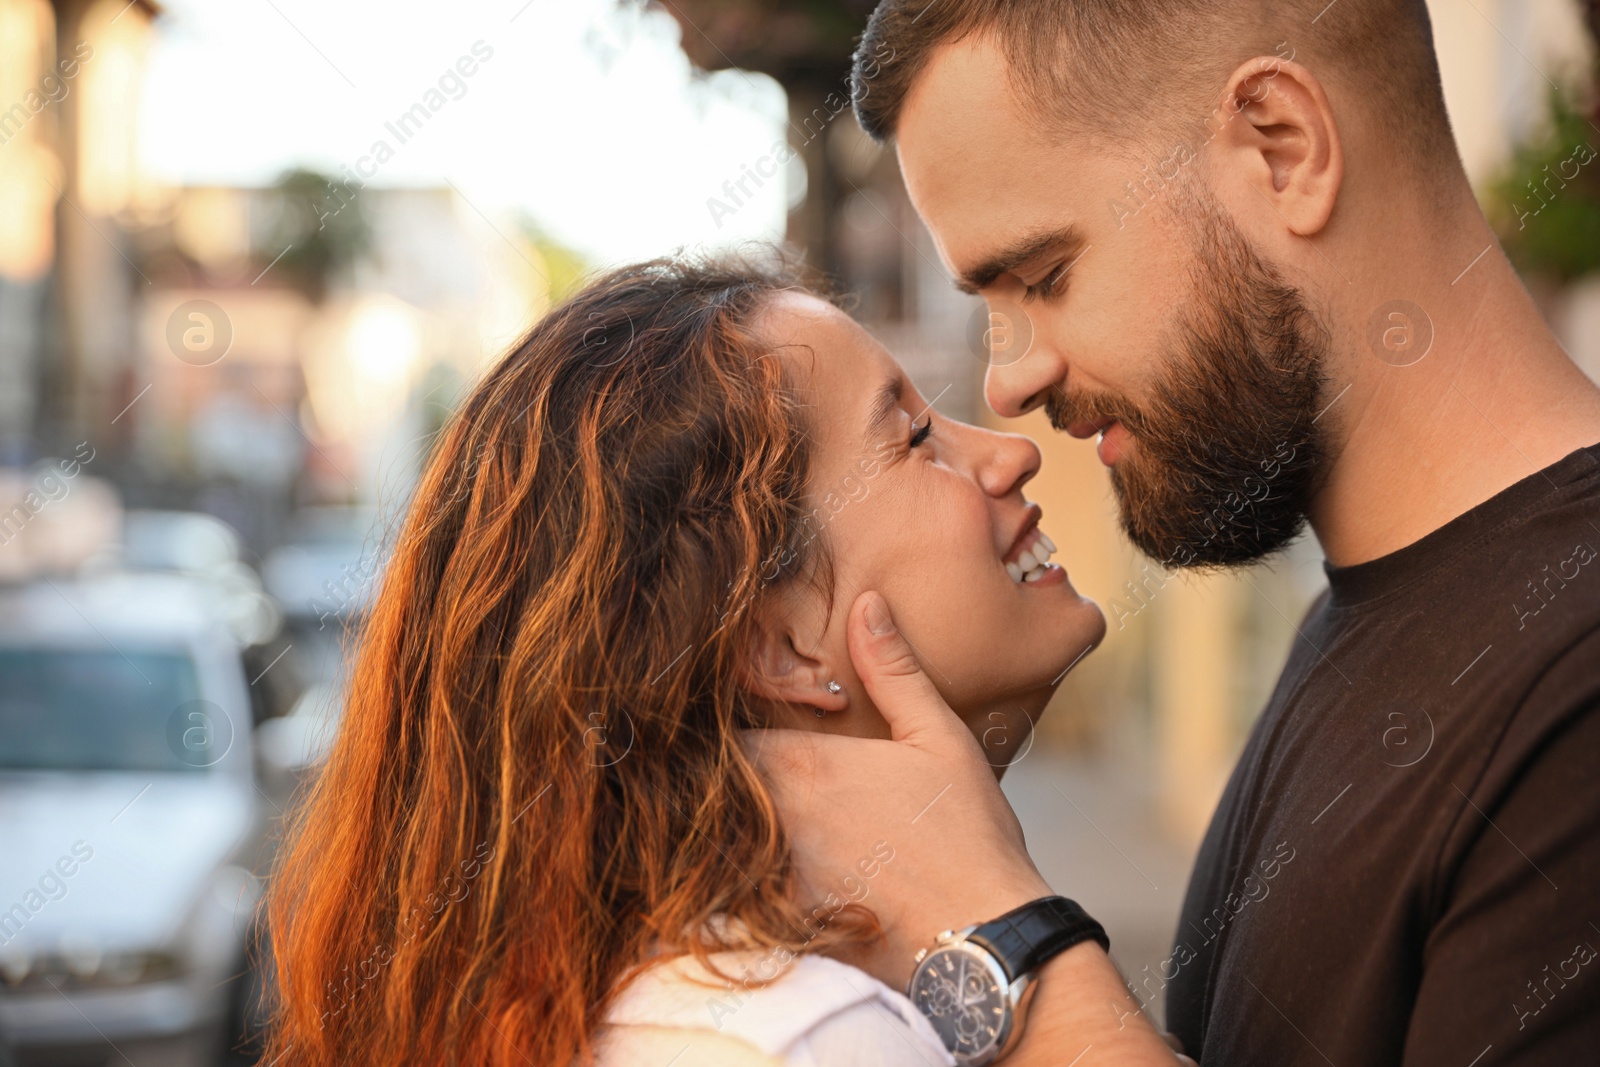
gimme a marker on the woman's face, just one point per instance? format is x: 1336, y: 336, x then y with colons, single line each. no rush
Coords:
x: 930, y: 513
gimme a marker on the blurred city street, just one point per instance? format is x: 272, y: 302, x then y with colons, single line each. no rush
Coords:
x: 1094, y: 832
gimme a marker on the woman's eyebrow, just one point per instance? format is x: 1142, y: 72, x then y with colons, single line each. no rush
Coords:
x: 884, y: 401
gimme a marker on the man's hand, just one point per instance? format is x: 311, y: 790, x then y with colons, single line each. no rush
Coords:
x: 959, y: 856
x: 958, y: 859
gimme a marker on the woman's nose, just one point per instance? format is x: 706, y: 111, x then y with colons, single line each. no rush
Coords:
x: 1009, y: 462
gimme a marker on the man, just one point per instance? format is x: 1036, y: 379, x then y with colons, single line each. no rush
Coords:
x: 1252, y: 265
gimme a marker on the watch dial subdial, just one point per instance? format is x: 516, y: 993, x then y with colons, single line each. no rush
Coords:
x: 963, y: 999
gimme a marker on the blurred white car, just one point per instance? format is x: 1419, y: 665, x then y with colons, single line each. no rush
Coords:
x: 127, y: 813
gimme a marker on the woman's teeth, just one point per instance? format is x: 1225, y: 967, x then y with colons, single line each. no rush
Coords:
x: 1032, y: 563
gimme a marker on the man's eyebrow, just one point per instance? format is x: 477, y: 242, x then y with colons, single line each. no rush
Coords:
x: 884, y: 401
x: 1067, y: 239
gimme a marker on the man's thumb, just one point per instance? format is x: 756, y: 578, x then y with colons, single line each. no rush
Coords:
x: 893, y: 676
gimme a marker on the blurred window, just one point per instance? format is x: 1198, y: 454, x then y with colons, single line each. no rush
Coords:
x: 84, y: 709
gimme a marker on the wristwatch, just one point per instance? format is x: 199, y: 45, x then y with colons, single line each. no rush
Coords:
x: 974, y: 984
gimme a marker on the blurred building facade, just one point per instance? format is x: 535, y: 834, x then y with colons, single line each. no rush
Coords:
x: 238, y: 351
x: 278, y: 382
x: 70, y: 191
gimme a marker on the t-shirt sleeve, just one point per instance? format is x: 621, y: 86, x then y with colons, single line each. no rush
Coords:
x: 1510, y: 970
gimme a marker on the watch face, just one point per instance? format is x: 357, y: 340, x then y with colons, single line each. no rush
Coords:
x: 962, y: 992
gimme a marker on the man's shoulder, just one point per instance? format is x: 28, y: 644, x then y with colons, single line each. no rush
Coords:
x: 1558, y: 694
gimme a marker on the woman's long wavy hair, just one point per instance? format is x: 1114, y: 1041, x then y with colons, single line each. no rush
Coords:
x: 539, y: 780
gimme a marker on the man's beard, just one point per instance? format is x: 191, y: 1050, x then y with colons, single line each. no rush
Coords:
x: 1227, y: 454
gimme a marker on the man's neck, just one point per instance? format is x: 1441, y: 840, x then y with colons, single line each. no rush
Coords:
x: 1494, y: 400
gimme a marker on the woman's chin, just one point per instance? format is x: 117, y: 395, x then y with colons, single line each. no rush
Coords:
x: 1035, y: 655
x: 1088, y: 630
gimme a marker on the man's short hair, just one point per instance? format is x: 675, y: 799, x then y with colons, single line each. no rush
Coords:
x: 1132, y: 68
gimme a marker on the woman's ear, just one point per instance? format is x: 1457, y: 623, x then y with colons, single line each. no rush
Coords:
x: 783, y: 665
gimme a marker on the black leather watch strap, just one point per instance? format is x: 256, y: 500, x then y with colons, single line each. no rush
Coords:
x: 1024, y: 938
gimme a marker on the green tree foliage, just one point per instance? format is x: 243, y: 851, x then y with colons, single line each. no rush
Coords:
x: 1546, y: 204
x: 561, y: 266
x: 318, y: 219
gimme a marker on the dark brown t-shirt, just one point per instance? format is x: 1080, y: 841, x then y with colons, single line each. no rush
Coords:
x: 1405, y: 865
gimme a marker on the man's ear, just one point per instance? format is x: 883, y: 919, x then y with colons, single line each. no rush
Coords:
x: 782, y: 667
x: 1279, y: 133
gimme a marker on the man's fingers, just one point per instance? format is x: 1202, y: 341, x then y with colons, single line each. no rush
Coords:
x: 894, y: 678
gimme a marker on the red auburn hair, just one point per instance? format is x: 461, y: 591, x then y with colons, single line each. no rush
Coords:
x: 538, y: 779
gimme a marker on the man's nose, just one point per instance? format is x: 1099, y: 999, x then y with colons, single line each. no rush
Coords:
x: 1022, y: 383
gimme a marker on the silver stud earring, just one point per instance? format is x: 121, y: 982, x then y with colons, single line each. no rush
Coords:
x: 835, y: 689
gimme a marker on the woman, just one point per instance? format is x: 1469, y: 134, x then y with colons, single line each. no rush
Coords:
x: 538, y: 832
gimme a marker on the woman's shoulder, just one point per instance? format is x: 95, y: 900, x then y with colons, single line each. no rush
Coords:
x: 811, y: 1012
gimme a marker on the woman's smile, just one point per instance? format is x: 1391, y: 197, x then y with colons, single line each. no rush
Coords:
x: 1028, y: 559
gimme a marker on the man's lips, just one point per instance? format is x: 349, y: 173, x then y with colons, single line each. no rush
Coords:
x: 1088, y: 428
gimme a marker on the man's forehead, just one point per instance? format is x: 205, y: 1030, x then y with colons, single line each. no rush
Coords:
x: 960, y: 106
x: 978, y: 170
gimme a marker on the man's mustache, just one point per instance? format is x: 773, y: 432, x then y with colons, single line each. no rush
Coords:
x: 1063, y: 409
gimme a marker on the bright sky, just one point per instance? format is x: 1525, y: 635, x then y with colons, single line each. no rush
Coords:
x: 585, y: 114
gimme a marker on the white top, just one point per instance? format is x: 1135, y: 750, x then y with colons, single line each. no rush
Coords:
x: 817, y: 1013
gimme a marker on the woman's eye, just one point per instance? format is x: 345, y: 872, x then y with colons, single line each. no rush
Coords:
x: 921, y: 433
